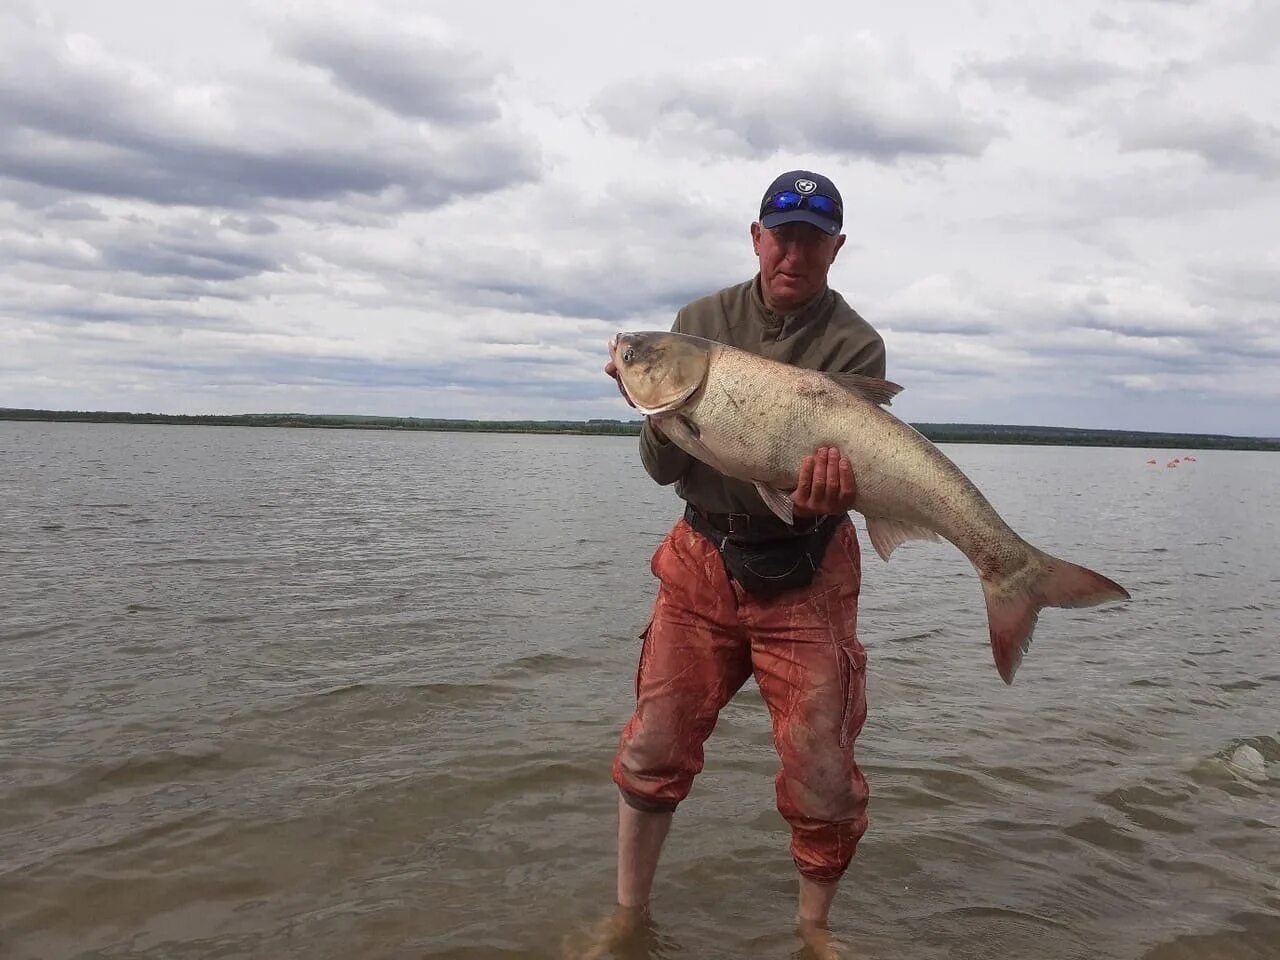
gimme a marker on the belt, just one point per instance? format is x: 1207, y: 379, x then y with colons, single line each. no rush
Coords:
x: 748, y: 527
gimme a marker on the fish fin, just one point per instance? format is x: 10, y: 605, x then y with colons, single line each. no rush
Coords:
x: 1069, y: 585
x: 1010, y: 620
x: 779, y: 501
x: 888, y: 534
x: 685, y: 435
x: 872, y: 388
x: 1011, y: 615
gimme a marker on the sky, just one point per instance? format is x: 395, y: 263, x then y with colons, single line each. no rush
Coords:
x: 1057, y: 214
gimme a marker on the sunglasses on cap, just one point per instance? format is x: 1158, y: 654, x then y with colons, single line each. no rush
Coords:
x: 790, y: 200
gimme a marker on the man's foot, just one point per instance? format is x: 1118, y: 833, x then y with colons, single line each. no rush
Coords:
x: 622, y: 934
x: 819, y: 944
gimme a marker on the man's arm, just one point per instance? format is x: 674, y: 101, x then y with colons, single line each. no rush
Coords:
x: 869, y: 360
x: 663, y: 460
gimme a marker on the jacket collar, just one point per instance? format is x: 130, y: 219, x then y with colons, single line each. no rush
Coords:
x: 778, y: 321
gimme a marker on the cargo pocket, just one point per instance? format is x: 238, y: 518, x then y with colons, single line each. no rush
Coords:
x: 655, y: 561
x: 852, y: 663
x: 644, y: 654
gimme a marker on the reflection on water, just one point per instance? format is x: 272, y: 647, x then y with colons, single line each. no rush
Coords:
x: 344, y: 693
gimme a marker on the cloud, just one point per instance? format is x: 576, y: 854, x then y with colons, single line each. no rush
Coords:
x: 1049, y: 76
x: 1154, y: 189
x: 264, y: 206
x: 1250, y: 36
x: 1102, y: 325
x: 418, y: 71
x: 185, y: 248
x: 934, y: 304
x: 1229, y: 140
x: 845, y: 99
x: 74, y: 117
x: 612, y: 256
x: 1251, y: 279
x: 1131, y: 308
x: 74, y: 210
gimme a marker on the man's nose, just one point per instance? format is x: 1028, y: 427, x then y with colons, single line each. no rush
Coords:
x: 795, y: 251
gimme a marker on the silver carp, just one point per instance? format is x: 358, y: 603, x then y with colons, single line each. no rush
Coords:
x: 755, y: 419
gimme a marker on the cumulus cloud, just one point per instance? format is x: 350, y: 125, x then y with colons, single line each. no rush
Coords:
x: 418, y: 71
x: 611, y: 257
x: 134, y: 253
x: 846, y: 99
x: 75, y: 117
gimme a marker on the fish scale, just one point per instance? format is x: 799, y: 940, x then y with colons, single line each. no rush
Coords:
x: 900, y: 474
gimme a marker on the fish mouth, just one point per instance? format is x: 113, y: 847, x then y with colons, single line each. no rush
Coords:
x: 613, y: 355
x: 666, y: 407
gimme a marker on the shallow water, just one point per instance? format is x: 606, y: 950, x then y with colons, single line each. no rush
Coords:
x: 278, y: 693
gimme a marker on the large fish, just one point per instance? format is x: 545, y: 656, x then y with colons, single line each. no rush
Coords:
x: 755, y: 419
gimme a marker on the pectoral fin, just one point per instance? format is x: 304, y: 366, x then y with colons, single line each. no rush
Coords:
x: 887, y: 535
x: 779, y: 501
x: 685, y: 435
x: 872, y: 388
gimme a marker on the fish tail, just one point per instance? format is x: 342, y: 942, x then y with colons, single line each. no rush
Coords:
x: 1014, y: 603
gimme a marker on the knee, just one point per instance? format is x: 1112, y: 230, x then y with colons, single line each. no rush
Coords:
x: 825, y: 787
x: 655, y: 766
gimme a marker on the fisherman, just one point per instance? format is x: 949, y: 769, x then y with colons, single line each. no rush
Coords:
x: 741, y: 593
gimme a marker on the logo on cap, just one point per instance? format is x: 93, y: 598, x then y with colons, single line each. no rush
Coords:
x: 806, y: 186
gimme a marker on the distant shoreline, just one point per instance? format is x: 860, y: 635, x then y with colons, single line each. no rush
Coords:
x: 937, y: 432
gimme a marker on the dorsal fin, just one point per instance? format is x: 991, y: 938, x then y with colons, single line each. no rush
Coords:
x: 873, y: 388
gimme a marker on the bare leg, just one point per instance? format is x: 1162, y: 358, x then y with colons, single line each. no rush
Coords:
x: 815, y: 909
x: 815, y: 900
x: 640, y: 839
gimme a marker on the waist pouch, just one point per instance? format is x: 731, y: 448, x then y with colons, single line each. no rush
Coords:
x: 768, y: 567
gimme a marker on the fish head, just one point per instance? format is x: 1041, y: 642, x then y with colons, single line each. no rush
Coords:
x: 660, y: 371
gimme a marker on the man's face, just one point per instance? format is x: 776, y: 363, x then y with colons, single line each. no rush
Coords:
x: 794, y: 260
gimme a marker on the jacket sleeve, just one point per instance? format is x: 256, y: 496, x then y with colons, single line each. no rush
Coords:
x: 663, y: 460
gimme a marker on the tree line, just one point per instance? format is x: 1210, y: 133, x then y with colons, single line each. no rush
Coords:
x: 936, y: 432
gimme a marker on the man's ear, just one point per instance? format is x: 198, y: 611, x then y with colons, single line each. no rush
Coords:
x: 755, y: 237
x: 839, y: 244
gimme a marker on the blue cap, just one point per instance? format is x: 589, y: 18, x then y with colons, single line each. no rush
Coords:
x: 807, y: 198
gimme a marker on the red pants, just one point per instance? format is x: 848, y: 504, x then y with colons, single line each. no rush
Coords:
x: 705, y: 638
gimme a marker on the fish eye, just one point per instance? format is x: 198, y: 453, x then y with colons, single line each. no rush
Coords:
x: 629, y: 356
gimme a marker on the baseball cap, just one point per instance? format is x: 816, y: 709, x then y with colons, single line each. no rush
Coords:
x: 802, y: 196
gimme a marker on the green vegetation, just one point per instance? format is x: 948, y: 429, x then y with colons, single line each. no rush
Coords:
x: 937, y: 432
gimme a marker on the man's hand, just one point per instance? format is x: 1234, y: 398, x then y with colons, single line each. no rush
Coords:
x: 611, y: 369
x: 825, y: 486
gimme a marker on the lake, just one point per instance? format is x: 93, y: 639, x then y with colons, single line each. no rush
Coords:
x: 334, y: 694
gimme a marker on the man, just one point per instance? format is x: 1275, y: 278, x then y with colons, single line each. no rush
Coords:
x: 709, y: 632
